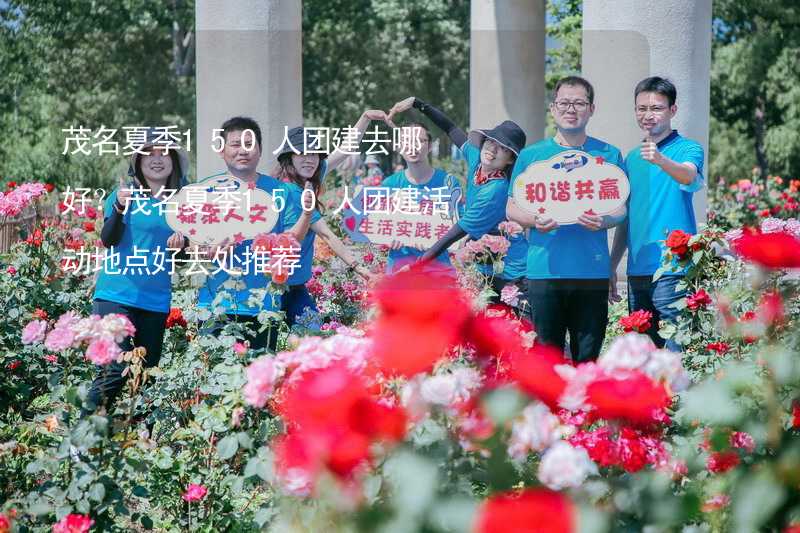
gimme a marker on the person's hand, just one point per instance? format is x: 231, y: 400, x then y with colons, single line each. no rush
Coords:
x: 545, y: 225
x: 124, y: 192
x: 378, y: 114
x: 364, y: 273
x: 590, y: 221
x: 399, y: 107
x: 613, y: 293
x: 650, y: 151
x: 309, y: 200
x: 396, y: 245
x: 175, y: 241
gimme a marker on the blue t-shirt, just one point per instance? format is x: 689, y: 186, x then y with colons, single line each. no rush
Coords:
x: 235, y: 301
x: 570, y: 251
x: 293, y: 212
x: 485, y: 209
x: 408, y: 254
x: 144, y: 242
x: 658, y: 204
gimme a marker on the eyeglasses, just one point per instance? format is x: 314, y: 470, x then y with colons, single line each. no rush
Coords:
x: 654, y: 109
x: 564, y: 105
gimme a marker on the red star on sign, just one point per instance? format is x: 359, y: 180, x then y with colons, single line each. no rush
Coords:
x: 238, y: 238
x: 192, y: 231
x: 599, y: 160
x: 542, y: 210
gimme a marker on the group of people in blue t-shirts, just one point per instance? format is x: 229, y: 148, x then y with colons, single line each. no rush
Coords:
x: 566, y: 272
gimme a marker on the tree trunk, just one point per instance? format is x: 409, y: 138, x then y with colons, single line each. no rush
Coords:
x: 758, y: 127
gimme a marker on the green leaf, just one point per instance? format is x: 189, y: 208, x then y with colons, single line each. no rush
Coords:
x: 755, y: 499
x: 414, y: 480
x: 146, y: 522
x: 710, y: 402
x: 227, y: 447
x: 503, y: 405
x: 97, y: 492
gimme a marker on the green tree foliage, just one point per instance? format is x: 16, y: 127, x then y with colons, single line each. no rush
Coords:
x: 755, y: 96
x: 360, y: 54
x: 89, y: 63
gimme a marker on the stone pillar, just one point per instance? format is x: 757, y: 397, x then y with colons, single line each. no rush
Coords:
x: 249, y: 62
x: 625, y: 41
x: 507, y: 64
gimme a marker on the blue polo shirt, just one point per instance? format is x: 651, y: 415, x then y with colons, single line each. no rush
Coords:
x: 293, y: 212
x: 658, y: 204
x: 570, y: 251
x: 144, y: 242
x: 485, y: 209
x: 235, y: 301
x: 408, y: 254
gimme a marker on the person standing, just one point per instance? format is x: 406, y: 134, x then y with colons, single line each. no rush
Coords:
x: 568, y: 267
x: 665, y: 171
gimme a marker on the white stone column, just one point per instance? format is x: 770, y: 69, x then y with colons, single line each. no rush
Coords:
x: 625, y: 41
x: 507, y: 64
x: 249, y: 62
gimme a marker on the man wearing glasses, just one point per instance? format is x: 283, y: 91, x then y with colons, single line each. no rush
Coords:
x: 665, y: 171
x: 568, y: 267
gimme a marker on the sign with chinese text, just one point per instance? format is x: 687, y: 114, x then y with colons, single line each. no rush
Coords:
x: 220, y: 208
x: 570, y: 184
x: 414, y: 217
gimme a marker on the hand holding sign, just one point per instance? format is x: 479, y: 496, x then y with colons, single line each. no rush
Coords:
x: 650, y: 151
x: 590, y: 220
x: 572, y: 187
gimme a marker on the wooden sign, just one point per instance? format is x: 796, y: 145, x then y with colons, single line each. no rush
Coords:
x: 569, y: 184
x: 220, y: 208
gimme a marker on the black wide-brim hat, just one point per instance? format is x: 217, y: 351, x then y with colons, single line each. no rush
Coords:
x: 508, y: 134
x: 297, y: 140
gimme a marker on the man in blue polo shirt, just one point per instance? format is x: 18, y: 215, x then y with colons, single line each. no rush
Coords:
x: 568, y: 267
x: 665, y: 171
x: 241, y: 153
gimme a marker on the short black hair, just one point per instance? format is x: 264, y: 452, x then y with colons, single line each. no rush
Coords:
x: 241, y: 124
x: 572, y: 81
x: 656, y: 84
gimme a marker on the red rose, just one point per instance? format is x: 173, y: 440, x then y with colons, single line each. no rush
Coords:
x: 678, y: 243
x: 40, y: 314
x: 720, y: 347
x: 529, y: 511
x: 698, y: 300
x: 770, y: 250
x: 634, y: 397
x: 719, y: 462
x: 175, y: 318
x: 88, y: 226
x: 638, y: 321
x: 49, y: 187
x: 796, y: 415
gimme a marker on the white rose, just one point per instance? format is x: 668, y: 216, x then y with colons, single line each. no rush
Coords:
x: 439, y: 390
x: 564, y: 466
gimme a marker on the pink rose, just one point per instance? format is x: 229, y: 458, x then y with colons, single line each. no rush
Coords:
x: 34, y: 332
x: 102, y: 351
x: 194, y: 492
x: 59, y: 339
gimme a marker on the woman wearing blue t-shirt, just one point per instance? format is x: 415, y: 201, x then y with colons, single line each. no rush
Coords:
x: 135, y: 280
x: 490, y: 156
x: 429, y: 183
x: 295, y: 169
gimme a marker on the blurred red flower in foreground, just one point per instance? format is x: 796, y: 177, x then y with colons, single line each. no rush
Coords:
x: 422, y: 316
x: 634, y: 397
x: 333, y: 419
x: 770, y: 250
x: 529, y: 511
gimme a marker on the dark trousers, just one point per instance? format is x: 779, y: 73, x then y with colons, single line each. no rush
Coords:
x: 294, y: 303
x: 150, y: 327
x: 659, y: 298
x: 577, y: 306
